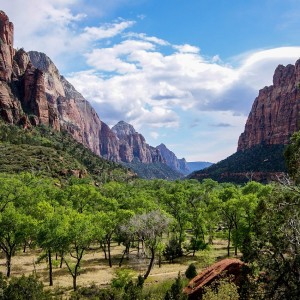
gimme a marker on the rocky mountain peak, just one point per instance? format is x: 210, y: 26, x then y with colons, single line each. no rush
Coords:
x: 40, y: 60
x: 172, y: 161
x: 274, y: 116
x: 123, y: 129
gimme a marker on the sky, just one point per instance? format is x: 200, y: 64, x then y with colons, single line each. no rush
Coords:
x: 183, y: 73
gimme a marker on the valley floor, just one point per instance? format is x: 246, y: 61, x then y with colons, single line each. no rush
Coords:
x: 95, y: 269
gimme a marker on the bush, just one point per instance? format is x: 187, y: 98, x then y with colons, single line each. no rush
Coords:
x: 223, y: 289
x: 122, y: 278
x: 175, y: 292
x: 191, y: 271
x: 173, y: 250
x: 25, y: 288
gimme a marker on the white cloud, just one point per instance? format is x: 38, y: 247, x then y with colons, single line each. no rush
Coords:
x: 154, y: 134
x: 186, y: 48
x: 145, y: 37
x: 105, y: 31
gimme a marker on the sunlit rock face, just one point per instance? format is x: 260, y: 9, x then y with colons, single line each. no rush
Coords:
x: 275, y: 112
x: 75, y: 114
x: 172, y: 161
x: 133, y: 145
x: 32, y: 92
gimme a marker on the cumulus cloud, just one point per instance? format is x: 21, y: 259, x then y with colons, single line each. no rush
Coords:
x: 146, y: 85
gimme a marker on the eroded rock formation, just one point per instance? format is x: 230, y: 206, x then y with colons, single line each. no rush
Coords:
x: 172, y: 161
x: 33, y: 92
x: 133, y: 145
x: 275, y: 112
x: 7, y: 51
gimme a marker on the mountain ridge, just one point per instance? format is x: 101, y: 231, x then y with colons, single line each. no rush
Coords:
x: 273, y: 119
x: 33, y: 93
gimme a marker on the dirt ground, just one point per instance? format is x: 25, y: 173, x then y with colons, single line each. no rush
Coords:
x: 95, y: 269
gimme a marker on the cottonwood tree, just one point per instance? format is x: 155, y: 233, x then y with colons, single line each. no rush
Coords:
x: 80, y: 234
x: 12, y: 224
x: 52, y: 234
x: 150, y: 227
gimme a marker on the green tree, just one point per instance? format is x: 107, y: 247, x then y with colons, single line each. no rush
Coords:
x: 80, y: 234
x: 53, y: 236
x: 275, y: 246
x: 191, y: 271
x: 12, y: 224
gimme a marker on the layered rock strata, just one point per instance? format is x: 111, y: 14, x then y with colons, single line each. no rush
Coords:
x: 275, y: 112
x: 133, y: 145
x: 32, y: 92
x: 172, y: 161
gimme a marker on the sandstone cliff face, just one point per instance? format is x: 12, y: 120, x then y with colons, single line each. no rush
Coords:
x: 75, y: 114
x: 32, y: 92
x: 275, y: 112
x: 172, y: 161
x: 227, y: 267
x: 134, y: 146
x: 7, y: 51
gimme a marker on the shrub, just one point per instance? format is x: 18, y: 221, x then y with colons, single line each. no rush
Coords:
x: 173, y: 250
x: 25, y: 288
x: 191, y: 271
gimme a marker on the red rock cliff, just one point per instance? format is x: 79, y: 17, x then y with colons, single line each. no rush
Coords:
x: 275, y: 112
x: 133, y: 145
x: 33, y: 91
x: 6, y: 47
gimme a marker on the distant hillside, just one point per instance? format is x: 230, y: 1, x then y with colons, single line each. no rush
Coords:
x: 153, y: 170
x: 198, y: 165
x: 54, y: 154
x: 261, y: 163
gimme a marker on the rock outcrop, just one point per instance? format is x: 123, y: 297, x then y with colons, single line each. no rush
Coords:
x: 226, y: 267
x: 32, y: 92
x: 7, y: 51
x: 75, y: 114
x: 275, y: 112
x: 172, y: 161
x: 133, y: 145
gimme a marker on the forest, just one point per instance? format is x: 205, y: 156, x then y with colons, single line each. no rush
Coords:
x: 138, y: 226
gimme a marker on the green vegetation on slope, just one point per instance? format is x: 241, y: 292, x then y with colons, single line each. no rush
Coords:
x: 153, y: 170
x: 51, y: 153
x: 238, y: 167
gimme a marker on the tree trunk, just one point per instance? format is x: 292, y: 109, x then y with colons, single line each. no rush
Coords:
x: 109, y: 254
x: 50, y: 268
x: 125, y: 252
x: 8, y: 264
x: 151, y: 263
x: 235, y: 246
x: 103, y: 246
x: 61, y: 259
x: 74, y: 282
x: 228, y: 245
x: 159, y: 260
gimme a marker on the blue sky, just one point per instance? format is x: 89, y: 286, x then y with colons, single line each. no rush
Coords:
x: 184, y: 73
